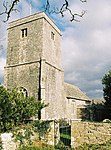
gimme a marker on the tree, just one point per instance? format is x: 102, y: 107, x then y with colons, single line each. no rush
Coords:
x: 106, y: 81
x: 47, y: 8
x: 16, y: 109
x: 5, y: 109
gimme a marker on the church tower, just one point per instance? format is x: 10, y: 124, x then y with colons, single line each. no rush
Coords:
x: 34, y: 62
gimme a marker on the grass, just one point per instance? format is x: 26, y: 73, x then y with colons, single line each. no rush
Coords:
x: 36, y: 148
x: 39, y: 145
x: 106, y: 146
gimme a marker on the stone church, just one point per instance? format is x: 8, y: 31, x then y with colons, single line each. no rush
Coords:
x: 34, y: 65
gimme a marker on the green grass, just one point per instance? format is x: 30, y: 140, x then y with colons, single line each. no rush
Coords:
x: 65, y: 136
x: 106, y: 146
x: 36, y: 148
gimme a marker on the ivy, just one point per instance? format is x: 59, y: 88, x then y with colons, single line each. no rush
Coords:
x: 42, y: 127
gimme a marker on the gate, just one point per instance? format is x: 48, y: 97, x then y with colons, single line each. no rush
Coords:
x: 65, y: 135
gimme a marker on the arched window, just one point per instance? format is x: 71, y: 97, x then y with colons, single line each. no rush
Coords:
x: 23, y: 91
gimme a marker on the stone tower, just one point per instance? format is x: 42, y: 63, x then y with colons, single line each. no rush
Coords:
x: 34, y: 62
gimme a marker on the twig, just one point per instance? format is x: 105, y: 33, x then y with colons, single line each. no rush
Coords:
x: 8, y: 12
x: 63, y: 8
x: 83, y: 1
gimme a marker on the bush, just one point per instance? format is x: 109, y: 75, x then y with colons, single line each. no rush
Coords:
x: 16, y: 109
x: 5, y: 110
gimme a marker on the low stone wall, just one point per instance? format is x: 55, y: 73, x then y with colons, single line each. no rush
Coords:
x: 8, y: 141
x: 51, y: 138
x: 89, y: 133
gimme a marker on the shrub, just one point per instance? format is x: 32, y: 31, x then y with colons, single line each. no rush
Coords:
x: 16, y: 109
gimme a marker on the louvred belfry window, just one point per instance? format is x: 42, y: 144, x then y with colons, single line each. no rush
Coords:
x: 24, y: 32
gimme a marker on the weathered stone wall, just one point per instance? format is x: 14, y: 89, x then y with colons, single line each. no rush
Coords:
x: 28, y: 48
x: 74, y: 107
x: 52, y: 46
x: 34, y: 62
x: 26, y: 75
x: 54, y: 93
x: 90, y: 133
x: 37, y: 44
x: 8, y: 141
x: 24, y: 53
x: 51, y: 138
x: 52, y: 74
x: 71, y: 109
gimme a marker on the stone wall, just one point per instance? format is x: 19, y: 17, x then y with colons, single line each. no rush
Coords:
x: 89, y: 133
x: 75, y: 108
x: 51, y: 138
x: 54, y: 93
x: 8, y: 142
x: 34, y: 62
x: 52, y: 47
x: 25, y: 75
x: 24, y: 53
x: 28, y: 48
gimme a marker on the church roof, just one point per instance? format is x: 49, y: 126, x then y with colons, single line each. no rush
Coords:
x: 73, y: 92
x: 98, y: 101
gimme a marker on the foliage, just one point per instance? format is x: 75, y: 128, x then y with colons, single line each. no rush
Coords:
x: 28, y: 148
x: 63, y: 122
x: 106, y: 81
x: 42, y: 127
x: 37, y: 148
x: 5, y: 110
x: 61, y: 146
x: 22, y: 134
x: 1, y: 144
x: 105, y: 146
x: 16, y: 109
x: 93, y: 112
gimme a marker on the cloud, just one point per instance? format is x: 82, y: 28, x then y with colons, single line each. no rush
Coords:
x: 2, y: 64
x: 3, y: 47
x: 86, y: 48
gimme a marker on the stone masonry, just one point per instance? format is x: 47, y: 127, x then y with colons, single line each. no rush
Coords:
x: 34, y: 65
x: 34, y: 62
x: 89, y: 133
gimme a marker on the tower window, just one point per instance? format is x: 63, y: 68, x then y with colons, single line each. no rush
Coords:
x: 24, y: 32
x: 52, y: 35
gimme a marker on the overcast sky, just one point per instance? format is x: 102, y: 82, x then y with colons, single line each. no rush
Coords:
x: 86, y: 46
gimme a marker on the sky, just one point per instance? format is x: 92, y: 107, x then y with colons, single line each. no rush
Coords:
x: 86, y: 45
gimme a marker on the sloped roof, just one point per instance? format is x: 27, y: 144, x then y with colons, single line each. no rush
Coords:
x: 98, y: 101
x: 73, y: 92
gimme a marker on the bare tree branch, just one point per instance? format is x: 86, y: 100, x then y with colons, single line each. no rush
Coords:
x: 5, y: 6
x: 83, y: 1
x: 47, y: 8
x: 11, y: 8
x: 63, y: 8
